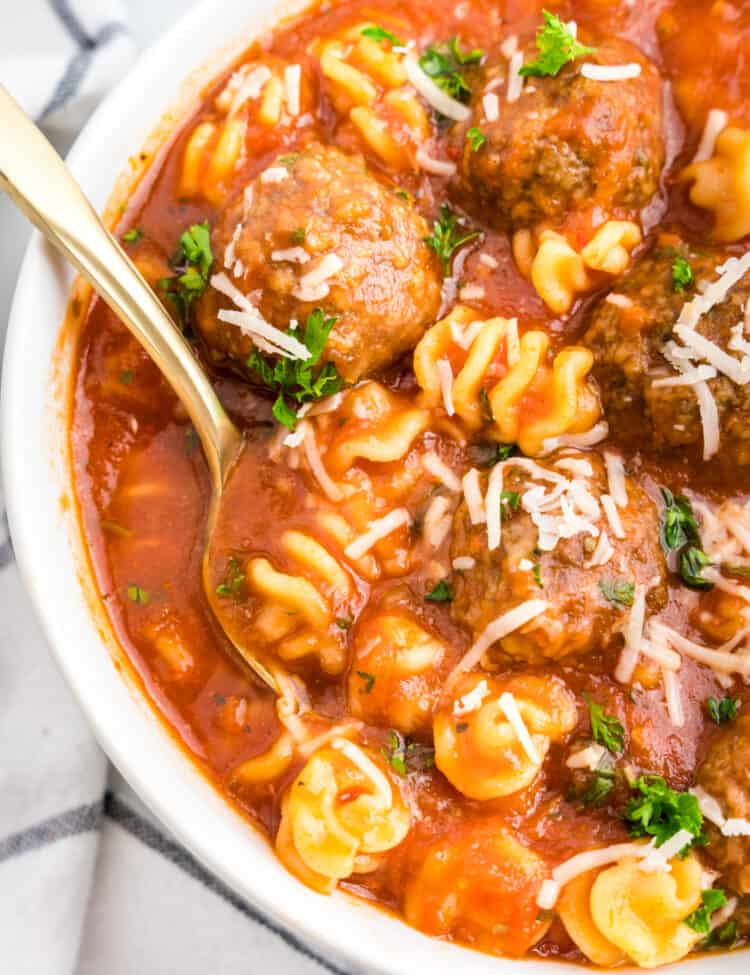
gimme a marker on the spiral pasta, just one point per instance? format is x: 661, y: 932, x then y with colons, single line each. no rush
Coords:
x: 722, y: 184
x: 298, y: 612
x: 479, y: 745
x: 560, y: 274
x: 622, y: 912
x: 395, y: 677
x: 366, y: 81
x: 527, y: 401
x: 323, y: 830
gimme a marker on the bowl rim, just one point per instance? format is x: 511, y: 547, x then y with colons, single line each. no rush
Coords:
x: 333, y: 931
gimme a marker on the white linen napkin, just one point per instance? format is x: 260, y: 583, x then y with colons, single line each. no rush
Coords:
x: 90, y: 882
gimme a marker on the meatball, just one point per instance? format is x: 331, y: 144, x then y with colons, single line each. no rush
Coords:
x: 557, y: 545
x: 567, y: 144
x: 629, y: 333
x: 316, y: 206
x: 725, y: 776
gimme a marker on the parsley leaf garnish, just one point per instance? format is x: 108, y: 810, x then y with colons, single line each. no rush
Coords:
x: 692, y: 563
x: 231, y: 585
x: 680, y: 531
x: 369, y: 680
x: 509, y: 501
x: 599, y: 786
x: 395, y: 752
x: 723, y: 710
x: 133, y: 235
x: 682, y: 274
x: 292, y: 379
x: 678, y: 523
x: 700, y: 919
x: 605, y: 729
x: 380, y: 34
x: 537, y: 574
x: 442, y: 593
x: 137, y: 595
x: 618, y: 591
x: 447, y: 236
x: 661, y: 812
x: 476, y: 138
x: 444, y: 64
x: 192, y: 262
x: 556, y: 46
x: 725, y: 936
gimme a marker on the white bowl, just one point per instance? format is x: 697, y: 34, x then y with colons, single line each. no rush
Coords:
x: 339, y: 930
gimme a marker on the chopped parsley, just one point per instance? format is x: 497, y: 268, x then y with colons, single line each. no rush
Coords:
x: 476, y: 138
x: 395, y: 752
x: 191, y: 440
x: 231, y: 585
x: 605, y: 729
x: 620, y: 592
x: 661, y: 812
x: 380, y: 34
x: 693, y: 561
x: 138, y: 595
x: 192, y: 262
x: 298, y: 236
x: 343, y: 623
x: 742, y: 571
x: 441, y: 593
x: 700, y: 919
x: 537, y: 574
x: 133, y: 235
x: 509, y: 501
x: 447, y: 236
x: 369, y: 680
x: 678, y: 523
x: 126, y: 377
x: 723, y: 710
x: 725, y: 936
x: 445, y: 63
x: 682, y: 274
x: 556, y: 45
x: 680, y: 532
x: 292, y: 379
x: 489, y: 454
x: 598, y: 787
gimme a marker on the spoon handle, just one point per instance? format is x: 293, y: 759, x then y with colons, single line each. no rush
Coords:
x: 40, y: 184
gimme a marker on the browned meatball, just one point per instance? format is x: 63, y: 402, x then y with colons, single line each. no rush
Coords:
x: 628, y: 333
x: 384, y: 289
x: 567, y: 144
x: 588, y: 602
x: 725, y: 776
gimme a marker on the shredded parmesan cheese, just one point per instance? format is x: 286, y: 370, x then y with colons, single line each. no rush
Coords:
x: 366, y: 766
x: 716, y: 122
x: 619, y: 301
x: 509, y: 707
x: 493, y: 508
x: 515, y: 80
x: 633, y: 634
x: 491, y: 106
x: 378, y: 530
x: 471, y: 701
x: 593, y: 436
x: 673, y: 697
x: 709, y: 414
x: 500, y: 627
x: 274, y: 174
x: 589, y: 758
x: 434, y: 465
x: 473, y: 494
x: 584, y: 862
x: 471, y: 292
x: 464, y: 563
x: 292, y: 77
x: 438, y: 167
x: 332, y: 490
x: 616, y: 479
x: 489, y: 261
x: 437, y: 521
x: 611, y: 72
x: 296, y: 255
x: 434, y: 95
x: 658, y: 857
x: 445, y: 377
x: 613, y: 516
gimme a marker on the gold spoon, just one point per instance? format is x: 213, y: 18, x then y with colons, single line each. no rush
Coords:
x: 41, y: 185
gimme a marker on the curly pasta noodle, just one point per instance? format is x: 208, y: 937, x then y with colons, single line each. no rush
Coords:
x: 622, y: 913
x: 477, y: 746
x: 254, y: 92
x: 560, y: 274
x: 321, y: 838
x: 298, y: 612
x: 528, y: 401
x: 722, y: 185
x: 367, y: 82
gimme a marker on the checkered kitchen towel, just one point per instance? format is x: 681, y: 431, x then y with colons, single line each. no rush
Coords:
x: 90, y: 883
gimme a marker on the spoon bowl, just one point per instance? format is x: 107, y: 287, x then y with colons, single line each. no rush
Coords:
x: 40, y: 184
